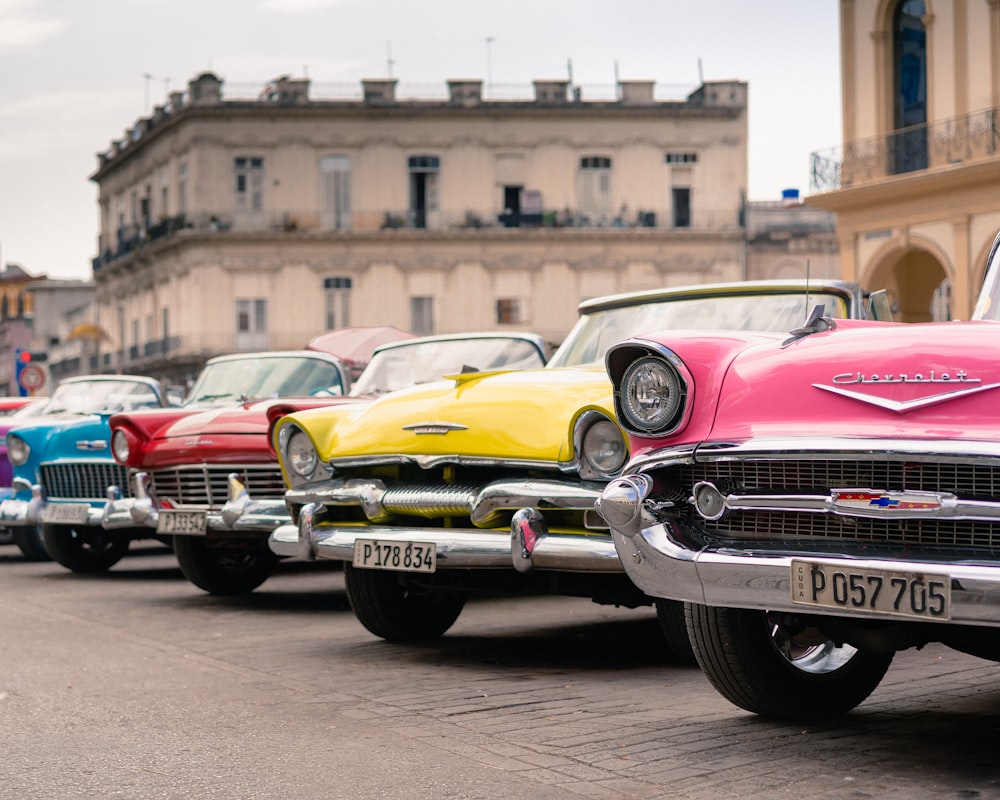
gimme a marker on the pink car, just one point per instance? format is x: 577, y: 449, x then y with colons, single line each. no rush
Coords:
x: 819, y: 500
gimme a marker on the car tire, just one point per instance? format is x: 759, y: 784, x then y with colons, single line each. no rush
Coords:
x: 765, y: 670
x: 28, y: 539
x: 84, y: 549
x: 223, y: 570
x: 398, y: 613
x: 673, y: 626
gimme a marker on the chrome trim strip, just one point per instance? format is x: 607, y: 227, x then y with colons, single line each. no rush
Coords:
x: 482, y: 504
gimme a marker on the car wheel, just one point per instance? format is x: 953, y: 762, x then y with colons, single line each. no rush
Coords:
x: 774, y: 672
x: 28, y: 538
x: 398, y: 613
x: 673, y: 626
x: 84, y: 549
x: 223, y: 570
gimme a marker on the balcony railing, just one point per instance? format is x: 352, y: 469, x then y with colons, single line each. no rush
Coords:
x: 131, y: 238
x: 972, y: 137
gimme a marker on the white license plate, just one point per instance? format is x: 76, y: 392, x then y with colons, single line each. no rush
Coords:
x: 66, y: 513
x: 875, y: 591
x: 182, y: 523
x: 399, y: 556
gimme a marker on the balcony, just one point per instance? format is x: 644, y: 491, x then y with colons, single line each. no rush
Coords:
x: 959, y: 140
x: 133, y: 238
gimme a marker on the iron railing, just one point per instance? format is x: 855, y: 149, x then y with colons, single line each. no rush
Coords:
x: 957, y: 140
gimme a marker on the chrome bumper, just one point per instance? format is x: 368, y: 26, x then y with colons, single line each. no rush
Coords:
x: 527, y: 546
x: 22, y: 512
x: 664, y: 559
x: 240, y: 513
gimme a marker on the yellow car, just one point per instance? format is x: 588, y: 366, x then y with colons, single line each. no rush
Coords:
x: 484, y: 483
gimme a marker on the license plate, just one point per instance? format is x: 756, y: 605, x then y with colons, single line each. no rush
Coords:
x: 874, y: 591
x: 182, y: 523
x: 66, y: 513
x: 399, y: 556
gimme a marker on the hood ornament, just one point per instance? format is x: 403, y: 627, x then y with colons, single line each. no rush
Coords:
x: 92, y: 444
x: 434, y: 428
x: 928, y: 388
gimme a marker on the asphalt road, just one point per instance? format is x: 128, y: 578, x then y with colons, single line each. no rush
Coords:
x: 135, y: 684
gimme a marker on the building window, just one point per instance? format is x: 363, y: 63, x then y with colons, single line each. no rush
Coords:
x: 682, y: 206
x: 251, y: 323
x: 249, y: 173
x: 682, y: 158
x: 337, y: 301
x: 594, y: 189
x: 182, y: 171
x: 909, y: 146
x: 422, y: 315
x: 335, y: 188
x: 424, y: 180
x: 510, y: 311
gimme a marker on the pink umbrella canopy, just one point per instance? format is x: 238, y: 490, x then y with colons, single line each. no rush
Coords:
x: 354, y: 346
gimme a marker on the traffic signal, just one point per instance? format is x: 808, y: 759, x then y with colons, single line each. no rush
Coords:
x: 28, y: 370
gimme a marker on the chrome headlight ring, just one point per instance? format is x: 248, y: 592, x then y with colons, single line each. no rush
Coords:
x: 18, y: 450
x: 120, y: 447
x: 298, y: 452
x: 652, y: 396
x: 601, y: 447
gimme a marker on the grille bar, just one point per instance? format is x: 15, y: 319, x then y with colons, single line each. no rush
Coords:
x: 800, y: 478
x: 207, y: 486
x: 84, y: 480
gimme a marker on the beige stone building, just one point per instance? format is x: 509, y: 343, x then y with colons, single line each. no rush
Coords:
x: 260, y: 222
x: 914, y: 185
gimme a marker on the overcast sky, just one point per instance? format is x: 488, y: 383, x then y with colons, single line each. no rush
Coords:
x: 75, y: 74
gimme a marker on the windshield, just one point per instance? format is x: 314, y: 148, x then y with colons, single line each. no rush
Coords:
x: 595, y: 332
x: 988, y: 305
x: 101, y: 397
x: 410, y: 364
x: 231, y: 380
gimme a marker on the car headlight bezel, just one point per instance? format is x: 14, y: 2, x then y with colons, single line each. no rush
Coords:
x: 652, y: 396
x: 121, y: 446
x: 18, y: 450
x: 602, y: 447
x: 299, y: 453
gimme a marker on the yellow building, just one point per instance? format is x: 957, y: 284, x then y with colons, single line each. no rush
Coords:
x: 916, y: 183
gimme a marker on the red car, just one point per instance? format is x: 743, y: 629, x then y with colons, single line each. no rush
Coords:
x: 209, y: 479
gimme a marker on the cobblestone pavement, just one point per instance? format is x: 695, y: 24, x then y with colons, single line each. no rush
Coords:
x: 135, y: 684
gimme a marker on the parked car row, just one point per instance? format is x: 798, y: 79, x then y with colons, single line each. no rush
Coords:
x: 799, y: 489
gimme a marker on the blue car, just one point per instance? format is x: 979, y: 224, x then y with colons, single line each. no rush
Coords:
x: 63, y: 466
x: 66, y: 475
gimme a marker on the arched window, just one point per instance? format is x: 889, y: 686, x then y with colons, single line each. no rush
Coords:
x: 909, y: 143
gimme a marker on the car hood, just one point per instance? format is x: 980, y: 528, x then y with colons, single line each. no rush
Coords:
x: 522, y: 415
x: 871, y: 380
x: 172, y: 437
x: 71, y: 438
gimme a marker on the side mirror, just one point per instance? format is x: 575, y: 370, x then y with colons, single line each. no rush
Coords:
x: 879, y: 307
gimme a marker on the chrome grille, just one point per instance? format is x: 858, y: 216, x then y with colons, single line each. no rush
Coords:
x: 208, y: 486
x: 776, y: 476
x: 84, y: 480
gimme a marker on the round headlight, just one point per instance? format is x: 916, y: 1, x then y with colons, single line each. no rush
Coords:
x: 17, y: 449
x: 652, y: 395
x: 120, y: 446
x: 300, y: 455
x: 604, y: 448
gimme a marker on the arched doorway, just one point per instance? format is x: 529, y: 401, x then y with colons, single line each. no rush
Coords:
x: 917, y: 282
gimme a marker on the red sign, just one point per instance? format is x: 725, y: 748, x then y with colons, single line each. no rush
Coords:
x: 32, y: 377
